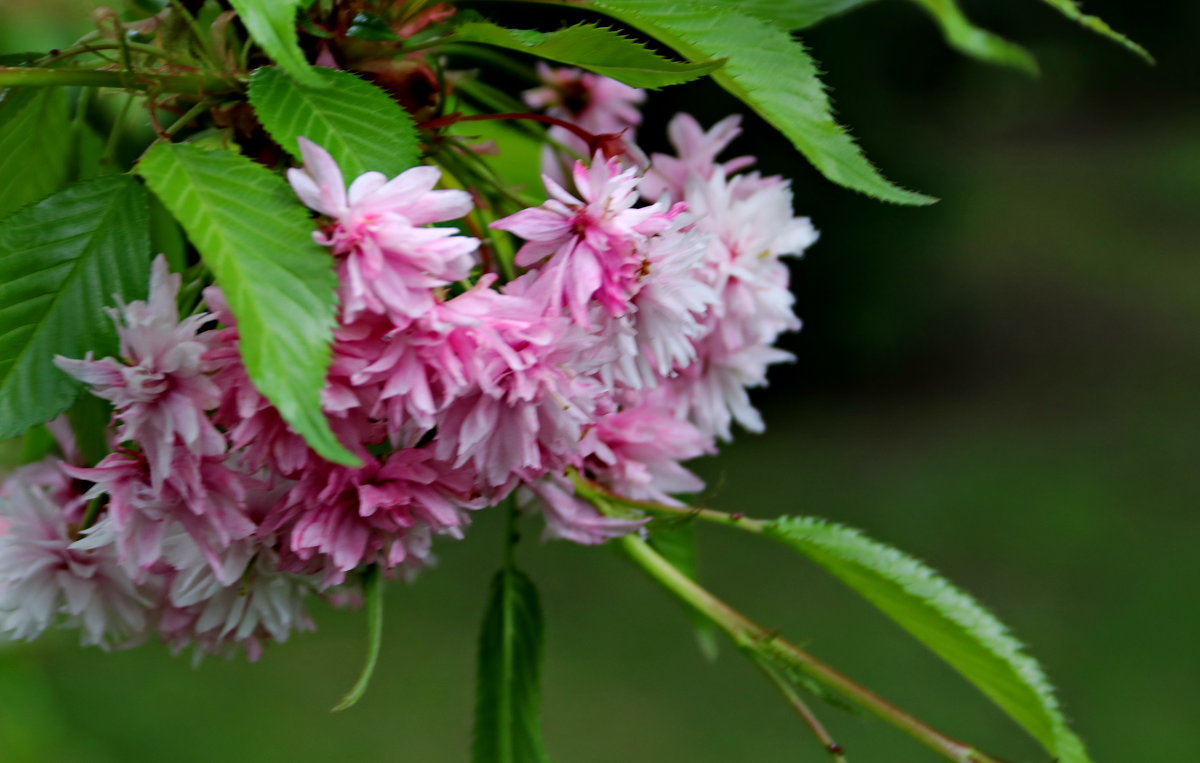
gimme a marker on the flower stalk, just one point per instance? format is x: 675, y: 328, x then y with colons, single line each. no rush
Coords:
x: 762, y: 643
x: 197, y: 84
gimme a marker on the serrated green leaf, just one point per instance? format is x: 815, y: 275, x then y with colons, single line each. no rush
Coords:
x: 256, y: 238
x: 589, y: 46
x: 35, y: 139
x: 947, y: 620
x: 770, y: 72
x: 975, y: 42
x: 356, y: 122
x: 959, y: 32
x: 508, y: 693
x: 675, y: 541
x: 797, y: 14
x: 272, y: 24
x: 62, y: 260
x: 1071, y: 9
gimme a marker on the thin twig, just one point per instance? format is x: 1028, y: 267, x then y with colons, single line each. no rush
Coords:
x: 802, y: 709
x: 752, y: 637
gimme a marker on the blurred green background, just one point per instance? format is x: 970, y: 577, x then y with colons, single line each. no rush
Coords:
x: 1004, y: 384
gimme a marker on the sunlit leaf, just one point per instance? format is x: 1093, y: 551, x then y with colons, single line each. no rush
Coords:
x: 356, y: 122
x: 1071, y: 9
x: 595, y: 48
x: 797, y: 14
x: 272, y: 24
x: 973, y: 41
x: 944, y: 618
x: 256, y: 238
x: 769, y: 71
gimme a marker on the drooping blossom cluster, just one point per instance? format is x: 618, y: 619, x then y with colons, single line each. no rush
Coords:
x: 646, y: 300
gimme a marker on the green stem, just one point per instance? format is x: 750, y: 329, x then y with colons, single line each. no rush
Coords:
x: 196, y: 110
x: 511, y: 535
x: 594, y: 491
x: 373, y: 602
x: 488, y: 56
x: 91, y: 513
x: 802, y: 709
x: 176, y: 83
x: 137, y: 47
x: 198, y: 33
x: 768, y: 645
x: 114, y: 133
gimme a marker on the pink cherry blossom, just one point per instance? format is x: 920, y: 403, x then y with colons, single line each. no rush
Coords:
x: 420, y: 368
x: 200, y: 609
x: 594, y: 242
x: 569, y: 517
x: 596, y: 103
x: 45, y: 580
x: 205, y: 498
x: 533, y: 396
x: 600, y: 105
x: 160, y: 387
x: 381, y: 513
x: 390, y: 259
x: 640, y: 447
x: 697, y: 151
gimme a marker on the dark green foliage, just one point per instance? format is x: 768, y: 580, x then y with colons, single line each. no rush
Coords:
x: 62, y: 261
x: 508, y: 700
x: 35, y: 147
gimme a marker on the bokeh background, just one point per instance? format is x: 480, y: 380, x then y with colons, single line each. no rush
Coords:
x: 1004, y: 384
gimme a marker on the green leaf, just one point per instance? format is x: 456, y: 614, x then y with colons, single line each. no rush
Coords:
x: 356, y: 122
x: 256, y: 238
x: 947, y: 620
x: 1071, y: 9
x: 769, y: 71
x: 166, y: 237
x: 37, y: 444
x: 797, y: 14
x: 35, y: 135
x: 368, y: 26
x: 958, y: 30
x: 62, y: 260
x: 18, y: 59
x: 675, y: 541
x: 518, y: 157
x: 272, y: 24
x: 970, y: 40
x: 373, y: 600
x: 89, y: 417
x: 508, y: 694
x: 595, y: 48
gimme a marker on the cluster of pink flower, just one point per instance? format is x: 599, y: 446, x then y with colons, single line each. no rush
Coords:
x: 649, y: 299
